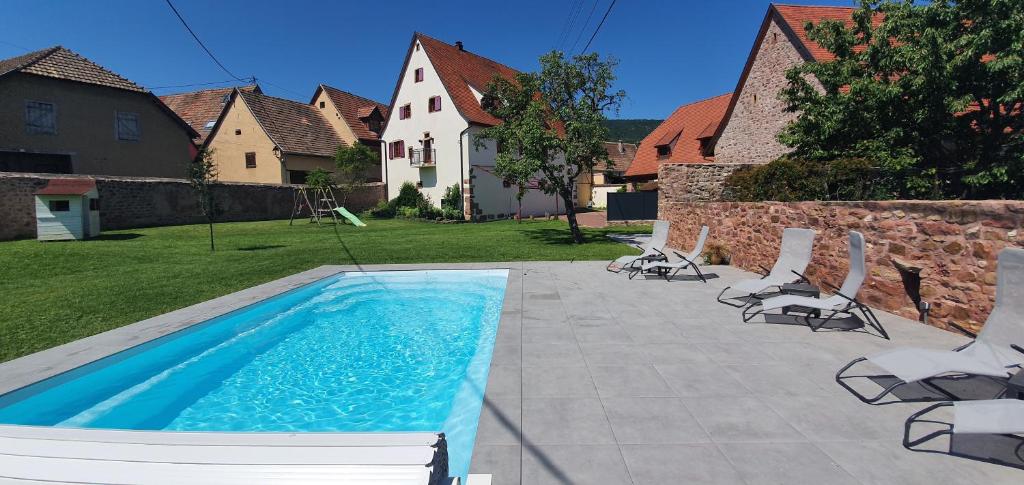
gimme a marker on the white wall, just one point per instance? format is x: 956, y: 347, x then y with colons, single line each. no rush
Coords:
x: 599, y: 194
x: 494, y: 199
x: 55, y: 226
x: 444, y: 126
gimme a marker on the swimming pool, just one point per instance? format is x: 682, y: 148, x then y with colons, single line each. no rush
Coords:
x: 374, y: 351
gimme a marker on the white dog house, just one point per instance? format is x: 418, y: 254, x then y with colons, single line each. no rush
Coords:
x: 67, y: 209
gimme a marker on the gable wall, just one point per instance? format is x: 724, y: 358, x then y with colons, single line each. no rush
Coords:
x: 333, y: 116
x: 750, y: 135
x: 229, y: 149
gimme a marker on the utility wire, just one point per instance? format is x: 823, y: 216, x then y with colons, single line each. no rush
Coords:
x: 16, y: 46
x: 196, y: 37
x: 566, y: 25
x: 584, y: 27
x: 248, y: 80
x: 598, y: 29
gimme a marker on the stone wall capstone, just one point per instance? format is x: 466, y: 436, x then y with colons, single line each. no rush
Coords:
x: 951, y: 244
x: 132, y: 202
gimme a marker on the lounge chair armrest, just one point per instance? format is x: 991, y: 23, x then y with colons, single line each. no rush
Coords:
x: 802, y: 276
x: 1018, y: 348
x: 764, y: 271
x: 964, y: 330
x: 837, y: 291
x: 659, y: 251
x: 682, y: 257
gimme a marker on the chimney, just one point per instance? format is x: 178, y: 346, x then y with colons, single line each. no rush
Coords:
x: 458, y: 44
x: 622, y: 150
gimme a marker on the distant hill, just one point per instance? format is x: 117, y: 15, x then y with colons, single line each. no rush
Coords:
x: 630, y: 131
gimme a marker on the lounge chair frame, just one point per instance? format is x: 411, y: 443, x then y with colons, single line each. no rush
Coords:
x: 948, y: 431
x: 657, y: 238
x: 797, y: 238
x: 688, y: 259
x: 813, y: 318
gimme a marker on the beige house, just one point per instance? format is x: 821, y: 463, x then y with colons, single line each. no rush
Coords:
x: 592, y: 188
x: 263, y: 139
x: 356, y: 119
x: 200, y: 109
x: 62, y: 113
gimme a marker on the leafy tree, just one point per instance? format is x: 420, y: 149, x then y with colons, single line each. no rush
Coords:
x: 319, y: 178
x: 353, y: 164
x: 553, y: 123
x: 202, y: 174
x: 931, y: 95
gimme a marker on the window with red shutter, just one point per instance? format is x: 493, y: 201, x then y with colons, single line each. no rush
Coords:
x: 405, y: 112
x: 434, y: 104
x: 419, y: 74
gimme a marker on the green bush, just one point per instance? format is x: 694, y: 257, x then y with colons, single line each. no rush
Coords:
x: 408, y: 196
x: 452, y: 198
x: 789, y: 180
x: 409, y: 212
x: 383, y: 210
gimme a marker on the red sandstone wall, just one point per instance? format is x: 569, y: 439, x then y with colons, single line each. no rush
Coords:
x: 955, y: 244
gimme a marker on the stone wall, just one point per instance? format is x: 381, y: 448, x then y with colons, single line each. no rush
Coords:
x: 953, y: 244
x: 130, y: 202
x: 691, y: 182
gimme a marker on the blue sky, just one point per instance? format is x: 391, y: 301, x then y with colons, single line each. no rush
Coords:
x: 670, y: 52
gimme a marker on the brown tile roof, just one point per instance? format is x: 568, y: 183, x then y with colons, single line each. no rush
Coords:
x: 460, y: 69
x: 797, y: 16
x: 68, y: 187
x: 296, y: 128
x: 60, y: 63
x: 618, y: 161
x: 352, y: 108
x: 689, y: 123
x: 199, y: 108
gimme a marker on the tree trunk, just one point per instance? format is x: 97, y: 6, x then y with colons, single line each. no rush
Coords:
x: 210, y: 221
x: 570, y: 214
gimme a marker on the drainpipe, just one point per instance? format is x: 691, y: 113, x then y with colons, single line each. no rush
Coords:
x: 384, y: 156
x: 462, y: 176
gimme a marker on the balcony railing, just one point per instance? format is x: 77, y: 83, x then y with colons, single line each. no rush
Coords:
x: 423, y: 158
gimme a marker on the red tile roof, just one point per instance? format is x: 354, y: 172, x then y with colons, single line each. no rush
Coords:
x: 797, y: 16
x: 199, y: 108
x: 60, y: 63
x: 352, y: 108
x: 689, y: 123
x: 460, y: 69
x: 68, y: 187
x: 296, y: 128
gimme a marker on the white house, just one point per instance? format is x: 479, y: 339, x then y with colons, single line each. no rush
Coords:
x: 67, y: 209
x: 432, y: 123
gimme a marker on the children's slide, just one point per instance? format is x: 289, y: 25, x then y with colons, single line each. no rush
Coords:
x: 350, y: 216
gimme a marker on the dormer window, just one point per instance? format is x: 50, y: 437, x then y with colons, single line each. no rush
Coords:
x: 663, y: 151
x: 224, y: 99
x: 666, y: 143
x: 322, y: 105
x: 405, y: 112
x: 434, y: 104
x: 373, y: 124
x: 418, y: 74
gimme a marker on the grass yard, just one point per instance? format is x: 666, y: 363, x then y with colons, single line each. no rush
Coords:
x: 57, y: 292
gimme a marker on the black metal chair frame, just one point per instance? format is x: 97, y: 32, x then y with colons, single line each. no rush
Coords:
x: 632, y: 264
x: 846, y: 311
x: 916, y: 418
x: 669, y: 275
x: 754, y: 298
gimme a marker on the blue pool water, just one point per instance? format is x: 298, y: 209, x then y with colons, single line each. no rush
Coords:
x: 383, y: 351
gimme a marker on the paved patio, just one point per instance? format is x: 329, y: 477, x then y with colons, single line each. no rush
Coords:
x: 599, y: 379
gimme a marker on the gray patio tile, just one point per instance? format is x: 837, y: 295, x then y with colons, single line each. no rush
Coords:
x: 883, y: 462
x: 654, y: 333
x: 673, y: 353
x: 650, y: 420
x: 736, y: 353
x: 504, y: 381
x: 629, y: 381
x: 565, y: 421
x: 542, y: 354
x: 838, y: 418
x: 709, y: 332
x: 574, y: 464
x: 500, y: 421
x: 784, y: 463
x: 502, y: 462
x: 558, y: 382
x: 775, y: 380
x: 507, y: 354
x: 538, y: 319
x: 745, y: 419
x: 682, y: 464
x: 801, y: 352
x: 586, y: 333
x: 701, y: 380
x: 614, y: 354
x: 558, y: 334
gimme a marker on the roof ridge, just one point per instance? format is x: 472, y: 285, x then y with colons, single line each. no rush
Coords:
x: 364, y: 98
x: 691, y: 103
x: 31, y: 58
x: 60, y: 48
x: 811, y: 6
x: 488, y: 59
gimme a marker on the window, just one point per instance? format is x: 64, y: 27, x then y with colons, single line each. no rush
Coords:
x: 209, y: 124
x: 322, y: 104
x: 418, y: 74
x: 297, y: 177
x: 250, y: 159
x: 127, y: 126
x: 40, y: 118
x: 60, y: 205
x: 373, y: 124
x: 405, y: 112
x: 396, y: 149
x: 664, y: 151
x: 238, y: 131
x: 94, y: 204
x: 434, y: 104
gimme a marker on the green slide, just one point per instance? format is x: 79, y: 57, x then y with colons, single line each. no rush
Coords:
x: 350, y: 216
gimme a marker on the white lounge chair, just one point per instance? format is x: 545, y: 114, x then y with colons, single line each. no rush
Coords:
x: 654, y: 247
x: 794, y: 256
x: 685, y: 261
x: 990, y: 354
x: 838, y: 308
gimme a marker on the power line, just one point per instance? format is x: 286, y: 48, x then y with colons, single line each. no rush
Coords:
x: 598, y: 29
x: 568, y: 21
x: 16, y: 46
x: 196, y: 37
x: 584, y: 28
x: 200, y: 84
x: 278, y: 86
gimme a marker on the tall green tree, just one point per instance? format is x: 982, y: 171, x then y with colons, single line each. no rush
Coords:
x: 201, y: 174
x: 553, y: 124
x: 354, y: 163
x: 930, y: 93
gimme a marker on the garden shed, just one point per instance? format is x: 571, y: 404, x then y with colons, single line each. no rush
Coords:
x: 67, y: 209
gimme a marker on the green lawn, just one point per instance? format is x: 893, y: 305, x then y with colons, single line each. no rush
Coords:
x: 57, y: 292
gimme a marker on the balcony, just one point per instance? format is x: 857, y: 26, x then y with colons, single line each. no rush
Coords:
x: 423, y: 158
